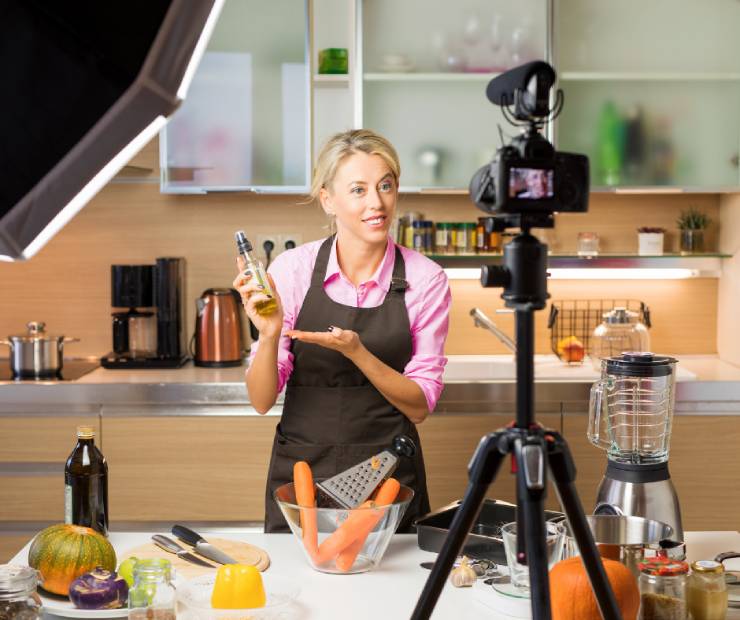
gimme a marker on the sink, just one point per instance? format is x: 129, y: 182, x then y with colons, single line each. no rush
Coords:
x: 503, y: 368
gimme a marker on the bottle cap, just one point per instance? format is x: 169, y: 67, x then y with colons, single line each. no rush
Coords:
x: 85, y: 432
x: 707, y: 566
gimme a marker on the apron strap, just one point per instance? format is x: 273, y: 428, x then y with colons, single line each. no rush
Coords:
x: 322, y: 260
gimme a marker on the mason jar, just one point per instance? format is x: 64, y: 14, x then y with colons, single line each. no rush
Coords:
x: 706, y: 591
x: 152, y: 597
x: 18, y: 598
x: 663, y: 589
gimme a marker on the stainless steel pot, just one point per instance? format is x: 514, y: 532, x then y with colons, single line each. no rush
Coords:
x: 36, y: 353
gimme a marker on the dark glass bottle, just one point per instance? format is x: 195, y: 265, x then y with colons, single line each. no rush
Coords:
x: 86, y: 484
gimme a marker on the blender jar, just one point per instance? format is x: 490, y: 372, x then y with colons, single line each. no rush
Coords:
x: 631, y: 407
x: 620, y: 331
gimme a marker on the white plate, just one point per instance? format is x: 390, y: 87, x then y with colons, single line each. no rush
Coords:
x: 65, y: 608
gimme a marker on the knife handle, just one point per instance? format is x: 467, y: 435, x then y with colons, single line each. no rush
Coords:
x: 188, y: 535
x: 166, y: 543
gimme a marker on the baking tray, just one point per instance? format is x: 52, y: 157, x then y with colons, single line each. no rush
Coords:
x: 484, y: 540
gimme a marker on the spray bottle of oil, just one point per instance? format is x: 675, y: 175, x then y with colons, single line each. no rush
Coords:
x: 256, y: 269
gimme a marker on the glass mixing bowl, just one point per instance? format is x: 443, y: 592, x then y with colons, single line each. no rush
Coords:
x: 367, y: 531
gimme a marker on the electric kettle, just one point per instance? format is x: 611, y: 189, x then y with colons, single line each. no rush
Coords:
x: 218, y: 329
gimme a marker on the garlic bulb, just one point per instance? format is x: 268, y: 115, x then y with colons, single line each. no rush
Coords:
x: 463, y: 576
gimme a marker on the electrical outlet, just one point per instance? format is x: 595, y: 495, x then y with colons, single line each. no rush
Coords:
x: 259, y: 246
x: 295, y: 238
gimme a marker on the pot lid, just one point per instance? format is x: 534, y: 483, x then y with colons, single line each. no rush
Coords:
x: 36, y: 331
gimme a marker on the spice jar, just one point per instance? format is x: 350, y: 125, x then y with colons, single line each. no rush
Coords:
x: 465, y: 238
x: 663, y: 589
x: 443, y: 238
x: 428, y: 228
x: 18, y: 598
x: 706, y: 591
x: 152, y: 597
x: 482, y: 238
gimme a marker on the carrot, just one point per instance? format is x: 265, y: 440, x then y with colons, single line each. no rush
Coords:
x: 304, y: 494
x: 385, y: 496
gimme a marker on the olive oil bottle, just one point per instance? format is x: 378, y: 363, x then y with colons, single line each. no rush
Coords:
x: 255, y: 268
x: 86, y: 484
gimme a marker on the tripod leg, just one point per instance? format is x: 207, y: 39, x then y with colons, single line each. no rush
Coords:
x: 482, y: 471
x: 529, y: 452
x: 564, y: 475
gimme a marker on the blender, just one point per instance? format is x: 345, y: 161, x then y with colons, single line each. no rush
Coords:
x: 630, y: 416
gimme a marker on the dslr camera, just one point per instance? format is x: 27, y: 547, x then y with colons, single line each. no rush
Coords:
x: 528, y: 176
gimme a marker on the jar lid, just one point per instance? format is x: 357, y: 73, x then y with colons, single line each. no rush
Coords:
x: 619, y: 316
x: 640, y: 364
x: 444, y: 225
x: 707, y: 566
x: 664, y: 567
x: 468, y: 224
x: 417, y: 224
x: 16, y: 579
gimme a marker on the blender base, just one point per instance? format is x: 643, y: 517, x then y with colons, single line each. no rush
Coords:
x: 640, y: 491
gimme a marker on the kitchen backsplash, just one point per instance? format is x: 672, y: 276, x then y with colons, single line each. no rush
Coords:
x: 67, y: 284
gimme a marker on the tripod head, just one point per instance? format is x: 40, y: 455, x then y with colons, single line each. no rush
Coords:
x: 523, y: 276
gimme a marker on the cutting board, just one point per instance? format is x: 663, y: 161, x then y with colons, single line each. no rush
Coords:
x: 241, y: 551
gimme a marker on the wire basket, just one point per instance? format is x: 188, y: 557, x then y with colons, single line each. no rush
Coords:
x: 579, y: 317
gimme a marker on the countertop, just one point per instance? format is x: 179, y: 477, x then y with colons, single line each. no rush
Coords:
x: 473, y: 384
x: 390, y: 591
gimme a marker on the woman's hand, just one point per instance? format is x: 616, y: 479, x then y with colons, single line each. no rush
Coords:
x: 251, y: 292
x: 345, y: 341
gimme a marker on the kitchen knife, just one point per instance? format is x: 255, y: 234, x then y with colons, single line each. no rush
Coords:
x: 170, y: 545
x: 202, y: 546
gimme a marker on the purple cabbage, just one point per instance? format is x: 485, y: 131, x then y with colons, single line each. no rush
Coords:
x: 99, y: 589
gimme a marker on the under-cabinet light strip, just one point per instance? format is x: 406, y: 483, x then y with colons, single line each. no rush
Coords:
x: 471, y: 273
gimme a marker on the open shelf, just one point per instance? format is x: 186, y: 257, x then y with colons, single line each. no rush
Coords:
x: 331, y: 80
x: 411, y: 76
x: 706, y: 265
x: 628, y: 76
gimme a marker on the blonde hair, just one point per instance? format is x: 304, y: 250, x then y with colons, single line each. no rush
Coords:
x: 342, y: 145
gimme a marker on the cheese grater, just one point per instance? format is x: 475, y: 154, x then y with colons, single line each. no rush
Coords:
x: 353, y: 486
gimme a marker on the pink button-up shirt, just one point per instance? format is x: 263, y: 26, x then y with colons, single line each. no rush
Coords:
x: 427, y: 302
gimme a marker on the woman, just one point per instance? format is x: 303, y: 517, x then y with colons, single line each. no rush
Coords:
x: 359, y: 332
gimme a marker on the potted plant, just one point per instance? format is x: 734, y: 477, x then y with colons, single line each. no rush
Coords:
x: 650, y: 241
x: 692, y: 224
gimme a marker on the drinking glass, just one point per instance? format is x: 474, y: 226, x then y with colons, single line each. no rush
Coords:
x: 555, y: 535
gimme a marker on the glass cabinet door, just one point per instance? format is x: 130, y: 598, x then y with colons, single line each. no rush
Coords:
x: 652, y: 90
x: 426, y: 65
x: 245, y: 121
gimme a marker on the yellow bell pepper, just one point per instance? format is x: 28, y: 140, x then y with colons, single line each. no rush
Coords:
x: 238, y: 586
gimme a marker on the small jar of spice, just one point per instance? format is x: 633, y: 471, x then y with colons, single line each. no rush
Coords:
x: 18, y: 598
x: 663, y: 589
x: 706, y: 591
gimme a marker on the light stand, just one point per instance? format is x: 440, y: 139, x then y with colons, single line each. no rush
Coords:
x: 524, y: 279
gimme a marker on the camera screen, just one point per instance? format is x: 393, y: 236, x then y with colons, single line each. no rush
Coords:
x: 531, y: 183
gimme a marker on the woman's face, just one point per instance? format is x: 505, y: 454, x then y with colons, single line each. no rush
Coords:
x: 362, y: 197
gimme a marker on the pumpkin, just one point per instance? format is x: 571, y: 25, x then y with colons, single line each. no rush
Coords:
x: 572, y: 598
x: 61, y: 553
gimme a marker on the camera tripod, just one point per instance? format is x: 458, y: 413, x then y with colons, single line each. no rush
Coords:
x: 524, y: 279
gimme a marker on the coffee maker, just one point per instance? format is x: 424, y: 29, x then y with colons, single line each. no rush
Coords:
x: 630, y: 416
x: 150, y: 332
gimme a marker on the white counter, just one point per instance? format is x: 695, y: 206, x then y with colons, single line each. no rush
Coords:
x: 391, y: 591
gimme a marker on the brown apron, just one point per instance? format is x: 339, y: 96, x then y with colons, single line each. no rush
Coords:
x: 333, y: 417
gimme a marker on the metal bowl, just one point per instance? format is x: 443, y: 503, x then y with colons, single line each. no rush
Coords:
x: 627, y: 530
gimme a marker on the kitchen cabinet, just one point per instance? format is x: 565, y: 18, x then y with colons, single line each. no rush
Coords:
x: 245, y: 122
x: 651, y: 89
x: 190, y: 466
x: 33, y: 451
x: 431, y: 62
x: 702, y: 461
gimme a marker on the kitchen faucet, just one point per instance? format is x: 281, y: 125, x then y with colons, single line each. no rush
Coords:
x: 481, y: 320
